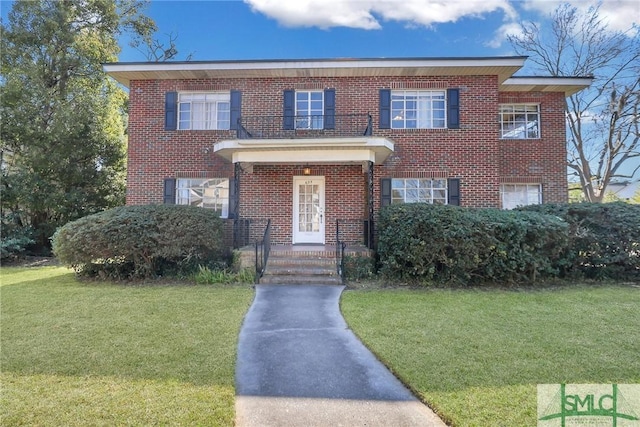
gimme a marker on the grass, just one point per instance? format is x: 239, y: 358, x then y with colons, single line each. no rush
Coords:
x: 105, y: 354
x: 476, y: 357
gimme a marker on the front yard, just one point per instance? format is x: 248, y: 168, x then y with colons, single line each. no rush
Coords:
x: 77, y: 353
x: 476, y: 356
x: 102, y: 354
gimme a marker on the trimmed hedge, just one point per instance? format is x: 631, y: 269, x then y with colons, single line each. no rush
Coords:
x: 141, y: 241
x: 448, y: 244
x: 604, y: 238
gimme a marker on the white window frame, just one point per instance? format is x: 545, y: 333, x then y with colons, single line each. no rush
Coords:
x: 418, y: 109
x: 208, y: 193
x: 515, y: 195
x: 419, y: 190
x: 309, y: 109
x: 519, y: 121
x: 204, y: 110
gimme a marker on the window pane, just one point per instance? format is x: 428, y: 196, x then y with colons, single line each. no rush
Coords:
x: 418, y: 109
x: 309, y: 109
x: 204, y: 110
x: 207, y: 193
x: 519, y: 121
x: 410, y: 190
x: 514, y: 195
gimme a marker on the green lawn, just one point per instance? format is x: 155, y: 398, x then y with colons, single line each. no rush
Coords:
x: 477, y: 356
x: 102, y: 354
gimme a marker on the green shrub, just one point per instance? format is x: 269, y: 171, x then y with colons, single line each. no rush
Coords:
x: 604, y: 238
x: 449, y: 244
x: 14, y: 239
x: 358, y: 267
x: 209, y: 276
x: 141, y: 241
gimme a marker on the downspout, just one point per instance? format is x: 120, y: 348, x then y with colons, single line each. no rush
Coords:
x: 370, y: 202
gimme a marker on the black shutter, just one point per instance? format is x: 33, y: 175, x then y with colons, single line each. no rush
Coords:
x: 171, y: 111
x: 289, y: 109
x: 453, y: 108
x: 233, y: 198
x: 385, y: 109
x: 169, y: 191
x: 385, y: 191
x: 453, y: 187
x: 235, y: 108
x: 330, y: 109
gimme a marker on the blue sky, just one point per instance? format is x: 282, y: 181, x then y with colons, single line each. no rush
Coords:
x: 295, y: 29
x: 232, y: 30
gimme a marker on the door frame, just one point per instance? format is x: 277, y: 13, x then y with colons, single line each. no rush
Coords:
x: 319, y: 237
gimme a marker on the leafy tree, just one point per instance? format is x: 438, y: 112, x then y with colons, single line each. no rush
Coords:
x: 63, y: 121
x: 603, y: 121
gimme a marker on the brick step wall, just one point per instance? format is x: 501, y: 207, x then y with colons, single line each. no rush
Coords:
x: 301, y: 267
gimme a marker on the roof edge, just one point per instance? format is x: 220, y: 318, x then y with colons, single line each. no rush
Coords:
x: 321, y: 60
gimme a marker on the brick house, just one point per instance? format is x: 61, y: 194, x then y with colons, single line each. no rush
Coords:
x: 312, y: 144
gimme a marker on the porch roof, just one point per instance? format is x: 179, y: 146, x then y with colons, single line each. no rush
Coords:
x: 356, y: 150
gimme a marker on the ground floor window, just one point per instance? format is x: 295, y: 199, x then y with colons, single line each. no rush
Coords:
x: 210, y: 193
x: 514, y: 195
x: 416, y: 190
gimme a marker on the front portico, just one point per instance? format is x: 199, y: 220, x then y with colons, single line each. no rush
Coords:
x: 304, y: 186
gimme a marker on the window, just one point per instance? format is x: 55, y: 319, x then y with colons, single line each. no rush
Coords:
x: 519, y: 121
x: 412, y: 190
x: 204, y: 111
x: 309, y: 110
x: 514, y: 195
x: 418, y: 109
x: 210, y: 193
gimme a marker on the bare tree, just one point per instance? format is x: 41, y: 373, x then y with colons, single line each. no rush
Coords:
x: 156, y: 50
x: 603, y: 141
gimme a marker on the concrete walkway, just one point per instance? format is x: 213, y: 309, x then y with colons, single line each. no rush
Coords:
x: 299, y: 365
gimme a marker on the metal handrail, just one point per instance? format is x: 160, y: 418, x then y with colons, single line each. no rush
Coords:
x: 304, y: 126
x: 340, y: 248
x: 263, y: 248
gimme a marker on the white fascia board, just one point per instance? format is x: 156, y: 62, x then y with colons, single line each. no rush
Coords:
x: 318, y: 150
x: 549, y: 81
x: 311, y: 64
x: 303, y: 156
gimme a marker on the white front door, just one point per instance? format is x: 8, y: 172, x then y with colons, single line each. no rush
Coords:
x: 308, y: 209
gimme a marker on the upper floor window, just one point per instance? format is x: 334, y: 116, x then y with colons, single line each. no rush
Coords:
x: 412, y: 190
x: 514, y: 195
x: 418, y: 109
x: 211, y: 193
x: 519, y: 121
x: 310, y: 109
x: 204, y: 110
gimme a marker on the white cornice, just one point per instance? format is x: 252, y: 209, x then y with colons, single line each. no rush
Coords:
x: 568, y: 85
x: 503, y: 67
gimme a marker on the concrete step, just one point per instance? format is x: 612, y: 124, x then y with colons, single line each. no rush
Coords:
x: 303, y: 264
x: 287, y: 261
x: 292, y: 269
x: 299, y: 280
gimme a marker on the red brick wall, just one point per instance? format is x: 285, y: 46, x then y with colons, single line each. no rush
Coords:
x: 268, y: 193
x: 543, y: 160
x: 474, y: 153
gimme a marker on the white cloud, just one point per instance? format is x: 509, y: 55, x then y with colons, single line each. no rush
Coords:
x: 500, y: 35
x: 619, y: 14
x: 368, y: 14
